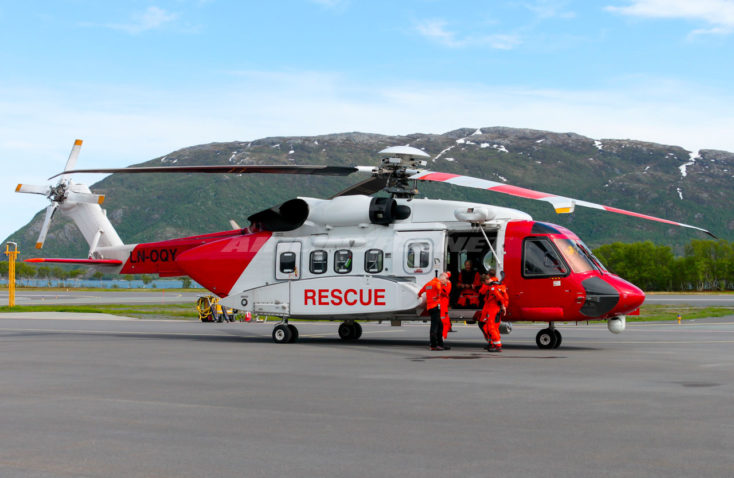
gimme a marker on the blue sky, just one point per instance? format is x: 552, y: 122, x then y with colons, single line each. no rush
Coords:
x: 139, y: 79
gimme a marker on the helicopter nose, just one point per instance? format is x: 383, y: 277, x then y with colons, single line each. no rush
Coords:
x: 630, y: 297
x: 610, y: 296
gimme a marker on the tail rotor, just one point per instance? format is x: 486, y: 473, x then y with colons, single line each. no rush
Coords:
x: 63, y: 193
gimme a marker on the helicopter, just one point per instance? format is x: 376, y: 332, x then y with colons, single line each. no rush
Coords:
x: 356, y: 257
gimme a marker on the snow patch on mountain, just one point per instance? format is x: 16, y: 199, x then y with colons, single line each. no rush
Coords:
x: 693, y: 157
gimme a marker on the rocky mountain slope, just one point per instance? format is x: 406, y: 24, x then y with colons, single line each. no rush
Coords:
x: 665, y: 181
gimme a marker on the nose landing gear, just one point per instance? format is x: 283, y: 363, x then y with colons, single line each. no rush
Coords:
x: 549, y: 338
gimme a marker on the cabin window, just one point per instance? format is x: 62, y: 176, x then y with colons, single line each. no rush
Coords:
x: 541, y: 259
x: 373, y: 260
x: 287, y: 262
x: 418, y: 256
x: 318, y: 262
x: 343, y: 261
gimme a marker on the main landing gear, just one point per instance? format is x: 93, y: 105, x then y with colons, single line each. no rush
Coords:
x: 285, y: 333
x: 350, y: 330
x: 549, y: 338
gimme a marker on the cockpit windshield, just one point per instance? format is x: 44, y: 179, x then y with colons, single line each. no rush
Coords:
x: 585, y: 249
x: 576, y: 255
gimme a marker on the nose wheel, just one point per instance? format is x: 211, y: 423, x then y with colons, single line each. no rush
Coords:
x: 549, y: 338
x: 350, y: 331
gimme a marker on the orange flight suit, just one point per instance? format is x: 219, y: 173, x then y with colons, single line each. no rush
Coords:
x: 495, y: 295
x: 444, y: 300
x: 432, y: 290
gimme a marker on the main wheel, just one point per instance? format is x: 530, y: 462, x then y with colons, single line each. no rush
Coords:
x: 559, y: 338
x: 357, y: 331
x: 545, y: 339
x: 294, y: 333
x: 347, y: 331
x: 282, y: 334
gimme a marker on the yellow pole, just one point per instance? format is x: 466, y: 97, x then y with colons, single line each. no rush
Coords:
x: 12, y: 254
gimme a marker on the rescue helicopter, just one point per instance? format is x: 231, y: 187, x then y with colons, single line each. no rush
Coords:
x: 357, y: 257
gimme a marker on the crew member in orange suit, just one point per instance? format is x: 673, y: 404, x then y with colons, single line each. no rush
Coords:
x: 432, y: 289
x: 496, y: 301
x: 445, y: 298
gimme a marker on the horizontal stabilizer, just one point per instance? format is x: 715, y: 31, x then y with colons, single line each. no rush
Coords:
x: 88, y: 262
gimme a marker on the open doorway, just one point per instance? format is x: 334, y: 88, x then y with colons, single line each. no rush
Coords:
x: 468, y: 258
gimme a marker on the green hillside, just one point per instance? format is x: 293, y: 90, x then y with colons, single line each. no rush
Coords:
x: 634, y: 175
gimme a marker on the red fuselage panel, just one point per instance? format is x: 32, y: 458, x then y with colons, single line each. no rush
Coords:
x: 217, y: 265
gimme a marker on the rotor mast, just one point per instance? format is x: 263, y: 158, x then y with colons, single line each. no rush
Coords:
x: 398, y: 164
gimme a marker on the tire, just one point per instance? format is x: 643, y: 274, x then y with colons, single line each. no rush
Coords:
x: 545, y: 339
x: 357, y: 331
x: 346, y: 331
x: 294, y: 333
x: 282, y: 334
x: 559, y: 338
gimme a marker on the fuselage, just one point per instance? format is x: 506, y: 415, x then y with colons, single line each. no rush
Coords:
x: 353, y: 257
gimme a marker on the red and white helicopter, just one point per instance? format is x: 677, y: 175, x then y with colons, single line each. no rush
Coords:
x: 354, y: 257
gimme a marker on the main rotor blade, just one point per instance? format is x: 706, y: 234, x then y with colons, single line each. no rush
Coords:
x: 561, y: 204
x: 367, y: 187
x: 50, y: 210
x: 229, y: 169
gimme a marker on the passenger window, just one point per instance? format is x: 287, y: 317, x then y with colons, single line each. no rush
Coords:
x: 318, y: 262
x: 287, y: 262
x: 373, y: 261
x: 540, y: 259
x: 418, y: 256
x: 343, y: 261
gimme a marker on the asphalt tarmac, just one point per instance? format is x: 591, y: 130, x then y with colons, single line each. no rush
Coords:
x: 137, y: 398
x: 152, y: 296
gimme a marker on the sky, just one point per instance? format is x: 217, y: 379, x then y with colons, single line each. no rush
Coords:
x: 138, y: 79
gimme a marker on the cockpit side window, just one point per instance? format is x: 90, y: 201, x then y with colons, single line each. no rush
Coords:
x: 541, y: 259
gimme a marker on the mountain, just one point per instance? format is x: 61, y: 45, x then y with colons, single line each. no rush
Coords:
x: 660, y: 180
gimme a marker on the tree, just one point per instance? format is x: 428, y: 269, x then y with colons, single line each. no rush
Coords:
x: 186, y: 283
x: 98, y: 276
x: 24, y: 270
x: 643, y: 263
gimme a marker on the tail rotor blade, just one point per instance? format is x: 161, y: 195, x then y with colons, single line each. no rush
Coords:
x: 72, y: 196
x: 71, y: 162
x: 33, y: 189
x: 50, y: 210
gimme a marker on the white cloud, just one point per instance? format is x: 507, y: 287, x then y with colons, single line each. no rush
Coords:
x: 717, y: 13
x: 550, y: 9
x: 151, y: 19
x: 436, y: 30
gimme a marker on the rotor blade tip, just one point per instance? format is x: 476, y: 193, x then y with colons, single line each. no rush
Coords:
x: 564, y: 210
x: 101, y: 199
x: 39, y: 245
x: 17, y: 188
x: 78, y: 142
